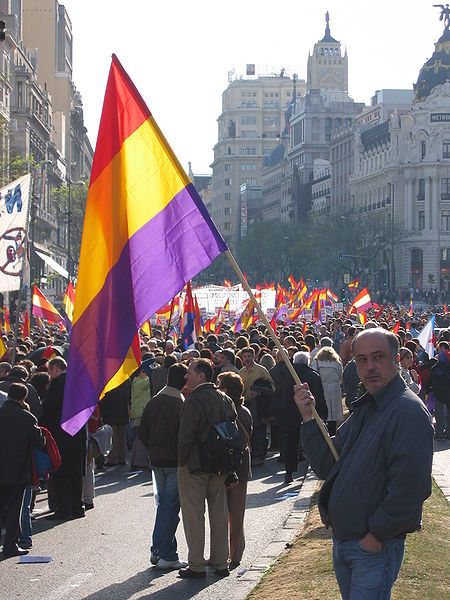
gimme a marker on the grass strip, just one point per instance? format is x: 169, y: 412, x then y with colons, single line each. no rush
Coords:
x: 305, y: 571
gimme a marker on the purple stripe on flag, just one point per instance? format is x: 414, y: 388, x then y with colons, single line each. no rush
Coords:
x: 153, y: 267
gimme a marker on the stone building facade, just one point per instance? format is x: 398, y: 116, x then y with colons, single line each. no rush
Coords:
x: 402, y: 171
x: 250, y: 127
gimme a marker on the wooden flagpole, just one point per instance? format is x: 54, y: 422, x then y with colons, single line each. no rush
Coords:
x: 288, y: 363
x: 168, y: 324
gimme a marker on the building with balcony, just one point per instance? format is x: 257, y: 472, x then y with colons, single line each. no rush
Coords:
x: 47, y: 27
x: 401, y: 171
x: 321, y: 188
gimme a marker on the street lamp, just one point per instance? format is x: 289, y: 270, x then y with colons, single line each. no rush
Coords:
x: 392, y: 197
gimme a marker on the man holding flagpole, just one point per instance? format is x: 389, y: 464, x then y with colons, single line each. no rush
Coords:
x: 373, y: 495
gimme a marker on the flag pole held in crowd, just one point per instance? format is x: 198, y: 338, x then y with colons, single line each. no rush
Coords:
x: 169, y: 323
x: 289, y: 365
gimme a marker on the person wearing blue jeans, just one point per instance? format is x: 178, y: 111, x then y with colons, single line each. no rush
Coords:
x: 26, y: 529
x: 363, y: 575
x: 165, y: 490
x: 158, y: 431
x: 373, y: 494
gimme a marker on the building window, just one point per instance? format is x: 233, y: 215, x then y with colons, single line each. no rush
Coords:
x: 227, y: 167
x: 445, y: 220
x: 417, y: 268
x: 227, y: 181
x: 446, y: 149
x: 271, y: 121
x: 248, y: 120
x: 227, y: 196
x: 421, y: 190
x: 423, y: 149
x: 445, y: 188
x: 227, y: 210
x: 227, y: 225
x: 19, y: 94
x: 421, y: 219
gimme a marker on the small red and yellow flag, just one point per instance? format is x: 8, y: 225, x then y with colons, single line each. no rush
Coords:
x: 41, y: 307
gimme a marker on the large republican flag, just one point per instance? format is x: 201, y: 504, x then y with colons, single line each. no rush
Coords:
x: 42, y: 307
x: 146, y: 233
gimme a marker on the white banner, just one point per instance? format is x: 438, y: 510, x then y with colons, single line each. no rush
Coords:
x: 214, y: 297
x: 14, y: 210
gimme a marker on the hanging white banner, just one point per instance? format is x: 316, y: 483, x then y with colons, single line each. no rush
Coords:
x: 14, y: 210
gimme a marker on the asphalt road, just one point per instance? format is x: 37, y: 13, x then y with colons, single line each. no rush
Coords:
x: 105, y: 556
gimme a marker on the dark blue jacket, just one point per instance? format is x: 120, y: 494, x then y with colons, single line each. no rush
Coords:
x: 383, y: 475
x: 19, y: 433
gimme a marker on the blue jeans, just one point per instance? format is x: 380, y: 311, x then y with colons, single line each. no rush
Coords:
x: 365, y: 575
x: 165, y: 490
x: 26, y: 530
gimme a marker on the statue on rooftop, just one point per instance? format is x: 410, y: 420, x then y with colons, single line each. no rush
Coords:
x: 445, y: 14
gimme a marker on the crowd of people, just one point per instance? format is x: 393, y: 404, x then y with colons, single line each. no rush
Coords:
x: 161, y: 420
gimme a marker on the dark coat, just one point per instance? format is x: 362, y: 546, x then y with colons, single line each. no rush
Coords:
x: 32, y: 399
x: 383, y: 474
x: 71, y: 448
x: 19, y: 433
x: 115, y: 405
x: 159, y: 427
x: 350, y: 380
x: 288, y: 412
x: 205, y: 405
x: 439, y: 381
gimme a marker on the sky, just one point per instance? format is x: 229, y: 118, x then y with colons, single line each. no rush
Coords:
x: 179, y: 53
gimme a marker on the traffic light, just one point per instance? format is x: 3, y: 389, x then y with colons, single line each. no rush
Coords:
x: 340, y: 255
x: 2, y: 31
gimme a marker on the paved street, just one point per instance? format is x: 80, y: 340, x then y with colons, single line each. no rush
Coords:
x: 105, y: 555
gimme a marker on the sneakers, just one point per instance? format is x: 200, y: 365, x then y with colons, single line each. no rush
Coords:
x: 170, y: 565
x: 153, y: 558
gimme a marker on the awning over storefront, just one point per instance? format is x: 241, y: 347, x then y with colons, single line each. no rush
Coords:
x: 52, y: 264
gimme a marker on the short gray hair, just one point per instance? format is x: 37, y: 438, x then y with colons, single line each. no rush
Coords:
x: 301, y: 358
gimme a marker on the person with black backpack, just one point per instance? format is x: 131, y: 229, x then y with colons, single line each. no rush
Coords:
x: 209, y: 451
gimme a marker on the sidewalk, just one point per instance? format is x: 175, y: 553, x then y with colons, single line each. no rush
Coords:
x: 441, y: 466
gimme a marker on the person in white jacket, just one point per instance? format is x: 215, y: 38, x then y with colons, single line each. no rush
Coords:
x: 409, y: 374
x: 329, y: 366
